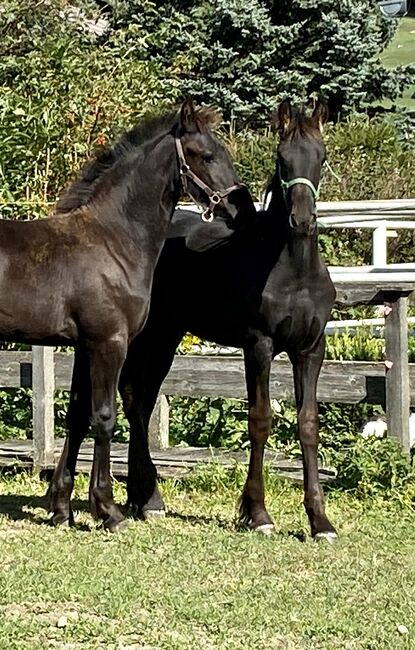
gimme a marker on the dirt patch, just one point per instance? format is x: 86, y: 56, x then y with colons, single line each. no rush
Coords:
x: 55, y: 614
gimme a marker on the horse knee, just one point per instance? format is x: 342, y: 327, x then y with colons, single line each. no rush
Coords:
x: 308, y: 428
x: 103, y: 422
x: 260, y: 427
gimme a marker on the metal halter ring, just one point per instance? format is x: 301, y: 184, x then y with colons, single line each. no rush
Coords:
x: 207, y: 215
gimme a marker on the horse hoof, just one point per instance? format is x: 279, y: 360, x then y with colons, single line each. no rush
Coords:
x: 61, y: 521
x: 264, y: 529
x: 154, y: 514
x: 115, y: 526
x: 329, y: 537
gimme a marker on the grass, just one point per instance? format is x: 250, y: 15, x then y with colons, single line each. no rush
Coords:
x: 401, y: 51
x: 192, y: 582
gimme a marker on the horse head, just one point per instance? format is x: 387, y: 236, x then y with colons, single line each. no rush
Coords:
x: 207, y: 172
x: 300, y: 155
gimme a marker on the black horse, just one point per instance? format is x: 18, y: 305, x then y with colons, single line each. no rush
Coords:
x: 83, y: 276
x: 263, y: 288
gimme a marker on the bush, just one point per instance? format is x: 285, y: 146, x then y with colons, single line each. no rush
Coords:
x: 62, y: 94
x: 372, y: 467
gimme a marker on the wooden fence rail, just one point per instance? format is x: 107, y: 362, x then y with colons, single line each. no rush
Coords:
x: 350, y: 382
x: 391, y: 384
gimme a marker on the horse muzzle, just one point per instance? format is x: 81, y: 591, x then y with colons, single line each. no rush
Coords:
x: 303, y: 225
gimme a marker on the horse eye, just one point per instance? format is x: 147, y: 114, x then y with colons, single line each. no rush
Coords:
x: 208, y: 159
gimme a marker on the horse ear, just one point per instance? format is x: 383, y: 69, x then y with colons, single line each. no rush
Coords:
x: 187, y: 116
x: 320, y: 115
x: 284, y: 115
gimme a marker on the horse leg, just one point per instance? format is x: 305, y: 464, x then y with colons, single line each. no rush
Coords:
x: 106, y: 360
x: 79, y: 411
x: 148, y: 361
x: 258, y: 359
x: 306, y: 371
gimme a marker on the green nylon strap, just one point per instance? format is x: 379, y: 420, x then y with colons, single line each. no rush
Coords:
x: 331, y: 170
x: 303, y: 181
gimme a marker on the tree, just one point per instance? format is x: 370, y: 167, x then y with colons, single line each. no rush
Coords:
x: 64, y: 90
x: 244, y: 57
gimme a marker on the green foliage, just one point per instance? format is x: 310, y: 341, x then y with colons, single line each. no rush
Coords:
x: 16, y: 413
x: 62, y: 94
x: 367, y: 467
x: 221, y: 422
x: 372, y: 467
x: 360, y: 345
x: 208, y: 422
x: 245, y: 61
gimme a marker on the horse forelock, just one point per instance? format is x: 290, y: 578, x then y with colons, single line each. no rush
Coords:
x: 301, y: 126
x: 207, y: 116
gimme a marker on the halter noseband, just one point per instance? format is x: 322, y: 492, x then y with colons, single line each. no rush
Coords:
x: 215, y: 197
x: 300, y: 180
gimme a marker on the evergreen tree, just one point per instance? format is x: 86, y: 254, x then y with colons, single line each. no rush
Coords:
x: 245, y: 56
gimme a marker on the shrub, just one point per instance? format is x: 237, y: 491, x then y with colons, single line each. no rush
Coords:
x: 372, y: 467
x: 62, y: 94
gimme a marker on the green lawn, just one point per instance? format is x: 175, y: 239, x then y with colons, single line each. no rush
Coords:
x: 401, y: 52
x: 192, y: 582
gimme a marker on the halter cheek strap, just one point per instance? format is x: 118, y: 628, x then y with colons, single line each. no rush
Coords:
x: 215, y: 196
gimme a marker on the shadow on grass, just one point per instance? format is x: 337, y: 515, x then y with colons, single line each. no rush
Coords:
x: 202, y: 520
x: 235, y: 526
x: 19, y: 508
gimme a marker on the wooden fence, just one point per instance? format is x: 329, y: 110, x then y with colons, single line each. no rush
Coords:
x: 390, y: 383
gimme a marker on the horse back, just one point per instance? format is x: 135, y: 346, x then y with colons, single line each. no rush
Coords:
x: 65, y: 267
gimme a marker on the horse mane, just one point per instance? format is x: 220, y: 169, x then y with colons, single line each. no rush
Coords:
x: 83, y: 188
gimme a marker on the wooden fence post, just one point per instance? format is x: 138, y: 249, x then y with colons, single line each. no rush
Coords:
x: 43, y: 402
x: 397, y: 375
x: 158, y: 428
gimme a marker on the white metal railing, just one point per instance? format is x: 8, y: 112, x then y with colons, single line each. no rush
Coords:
x: 335, y: 326
x: 383, y: 217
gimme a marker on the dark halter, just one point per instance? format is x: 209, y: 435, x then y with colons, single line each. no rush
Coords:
x: 215, y: 197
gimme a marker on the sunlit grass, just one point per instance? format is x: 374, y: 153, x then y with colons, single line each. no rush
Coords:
x: 401, y: 51
x: 192, y: 581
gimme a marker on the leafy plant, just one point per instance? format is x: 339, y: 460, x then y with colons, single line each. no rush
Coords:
x: 372, y: 467
x: 357, y: 345
x: 62, y: 95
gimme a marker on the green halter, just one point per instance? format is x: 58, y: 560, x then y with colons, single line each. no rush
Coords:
x: 303, y: 181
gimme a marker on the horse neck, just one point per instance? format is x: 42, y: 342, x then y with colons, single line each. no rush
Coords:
x: 140, y: 205
x: 301, y: 250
